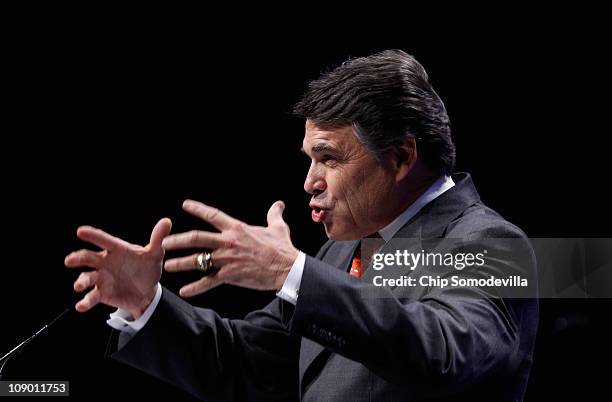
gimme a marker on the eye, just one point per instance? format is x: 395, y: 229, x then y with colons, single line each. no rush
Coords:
x: 329, y: 160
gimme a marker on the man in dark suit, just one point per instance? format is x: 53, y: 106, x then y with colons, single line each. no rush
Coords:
x: 382, y: 159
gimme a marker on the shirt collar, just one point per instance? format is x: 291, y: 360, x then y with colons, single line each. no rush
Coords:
x: 442, y: 184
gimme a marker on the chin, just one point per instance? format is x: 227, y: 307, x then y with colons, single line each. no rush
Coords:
x: 337, y: 232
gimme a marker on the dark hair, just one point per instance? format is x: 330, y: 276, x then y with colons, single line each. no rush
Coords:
x: 385, y: 96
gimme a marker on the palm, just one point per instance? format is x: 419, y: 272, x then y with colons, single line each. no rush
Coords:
x: 128, y: 273
x: 125, y: 275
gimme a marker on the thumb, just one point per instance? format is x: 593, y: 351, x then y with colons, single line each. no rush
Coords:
x: 275, y: 214
x: 161, y: 230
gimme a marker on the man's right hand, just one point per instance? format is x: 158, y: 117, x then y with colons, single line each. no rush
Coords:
x: 124, y: 275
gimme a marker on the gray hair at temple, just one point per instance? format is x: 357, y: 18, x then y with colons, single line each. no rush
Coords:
x: 385, y: 97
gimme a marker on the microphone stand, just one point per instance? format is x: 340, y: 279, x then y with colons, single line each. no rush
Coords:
x: 4, y: 359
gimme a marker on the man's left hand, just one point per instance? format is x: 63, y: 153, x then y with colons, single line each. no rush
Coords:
x: 253, y: 257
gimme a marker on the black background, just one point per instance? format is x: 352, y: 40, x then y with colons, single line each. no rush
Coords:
x: 113, y: 124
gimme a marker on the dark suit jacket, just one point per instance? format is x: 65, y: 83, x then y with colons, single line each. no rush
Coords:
x: 337, y: 345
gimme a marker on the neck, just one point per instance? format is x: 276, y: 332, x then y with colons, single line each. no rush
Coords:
x: 408, y: 193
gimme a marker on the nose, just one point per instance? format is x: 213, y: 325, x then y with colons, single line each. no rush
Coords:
x: 315, y: 181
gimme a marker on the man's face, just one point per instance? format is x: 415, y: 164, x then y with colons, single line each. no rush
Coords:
x: 348, y: 185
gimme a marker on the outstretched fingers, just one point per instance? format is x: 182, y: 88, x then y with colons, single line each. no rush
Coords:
x: 99, y: 237
x: 275, y: 215
x: 194, y: 239
x: 181, y: 263
x: 89, y: 301
x: 161, y: 230
x: 86, y: 280
x: 201, y: 286
x: 84, y: 258
x: 212, y: 215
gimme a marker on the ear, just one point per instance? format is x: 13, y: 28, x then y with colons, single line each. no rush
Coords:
x: 404, y: 157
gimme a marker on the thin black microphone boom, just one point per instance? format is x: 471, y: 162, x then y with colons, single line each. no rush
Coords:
x: 17, y: 348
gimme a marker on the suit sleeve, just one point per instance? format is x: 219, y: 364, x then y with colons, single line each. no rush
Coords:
x: 438, y: 344
x: 215, y: 358
x: 254, y: 359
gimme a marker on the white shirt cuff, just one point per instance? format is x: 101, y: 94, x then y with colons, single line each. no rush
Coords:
x: 123, y: 321
x: 291, y: 288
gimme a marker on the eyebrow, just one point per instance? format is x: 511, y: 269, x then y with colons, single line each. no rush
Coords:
x: 322, y: 147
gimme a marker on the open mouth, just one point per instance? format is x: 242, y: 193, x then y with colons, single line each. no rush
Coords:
x: 319, y: 214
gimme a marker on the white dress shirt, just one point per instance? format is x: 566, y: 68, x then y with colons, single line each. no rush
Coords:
x: 123, y: 321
